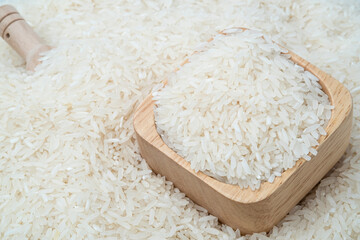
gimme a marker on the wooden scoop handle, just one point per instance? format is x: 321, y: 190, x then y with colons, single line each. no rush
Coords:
x: 20, y: 36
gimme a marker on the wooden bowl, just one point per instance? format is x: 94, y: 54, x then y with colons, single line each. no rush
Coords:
x: 244, y: 209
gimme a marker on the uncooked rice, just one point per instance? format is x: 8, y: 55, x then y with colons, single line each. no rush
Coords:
x: 69, y: 164
x: 240, y: 110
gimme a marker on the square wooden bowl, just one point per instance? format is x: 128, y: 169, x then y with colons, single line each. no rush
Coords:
x: 244, y: 209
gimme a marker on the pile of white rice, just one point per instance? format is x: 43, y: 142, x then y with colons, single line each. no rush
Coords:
x: 241, y: 111
x: 69, y: 164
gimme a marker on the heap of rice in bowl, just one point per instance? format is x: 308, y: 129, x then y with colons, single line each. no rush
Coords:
x: 241, y: 111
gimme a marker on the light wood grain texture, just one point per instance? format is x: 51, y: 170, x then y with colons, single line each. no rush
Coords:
x: 21, y: 37
x: 251, y: 211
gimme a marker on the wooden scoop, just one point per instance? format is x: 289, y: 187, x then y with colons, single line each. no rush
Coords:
x: 244, y: 209
x: 20, y: 36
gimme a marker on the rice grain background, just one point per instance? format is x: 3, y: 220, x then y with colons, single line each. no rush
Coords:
x: 69, y: 164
